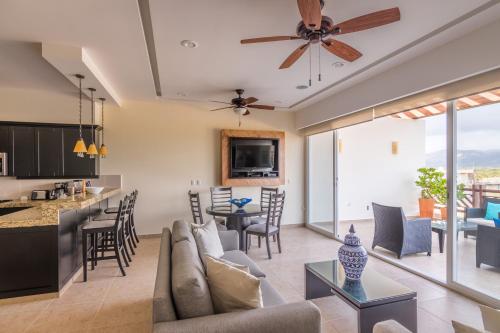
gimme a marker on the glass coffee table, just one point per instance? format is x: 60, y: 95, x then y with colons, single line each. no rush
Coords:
x: 375, y: 297
x: 440, y: 227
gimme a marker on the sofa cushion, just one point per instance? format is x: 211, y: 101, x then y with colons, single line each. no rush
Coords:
x: 241, y: 258
x: 270, y: 296
x: 232, y: 288
x: 207, y: 240
x: 181, y: 230
x: 189, y: 285
x: 492, y: 211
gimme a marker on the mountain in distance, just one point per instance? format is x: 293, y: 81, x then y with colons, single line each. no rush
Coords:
x: 467, y: 159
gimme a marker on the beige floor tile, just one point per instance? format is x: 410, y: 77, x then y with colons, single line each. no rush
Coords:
x: 115, y: 312
x: 17, y: 322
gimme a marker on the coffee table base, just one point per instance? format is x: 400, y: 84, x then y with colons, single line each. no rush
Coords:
x: 404, y: 312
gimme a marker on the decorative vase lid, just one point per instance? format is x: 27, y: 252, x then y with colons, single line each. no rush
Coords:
x: 351, y: 238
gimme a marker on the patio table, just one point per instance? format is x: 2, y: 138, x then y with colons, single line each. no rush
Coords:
x: 440, y: 227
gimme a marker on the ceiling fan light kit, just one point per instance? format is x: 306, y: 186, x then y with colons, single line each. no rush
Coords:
x: 318, y: 29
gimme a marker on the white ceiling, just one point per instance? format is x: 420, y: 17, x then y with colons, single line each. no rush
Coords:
x: 111, y: 32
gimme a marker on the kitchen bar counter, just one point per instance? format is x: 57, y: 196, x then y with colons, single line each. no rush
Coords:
x: 41, y: 246
x: 46, y: 212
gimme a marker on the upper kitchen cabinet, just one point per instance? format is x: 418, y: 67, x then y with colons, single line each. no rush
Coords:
x: 75, y: 166
x: 49, y: 152
x: 22, y: 153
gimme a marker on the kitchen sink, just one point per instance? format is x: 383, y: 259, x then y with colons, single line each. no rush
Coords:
x: 10, y: 210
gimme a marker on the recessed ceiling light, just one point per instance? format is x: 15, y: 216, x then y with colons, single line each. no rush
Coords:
x: 338, y: 64
x: 181, y: 94
x: 302, y: 87
x: 191, y: 44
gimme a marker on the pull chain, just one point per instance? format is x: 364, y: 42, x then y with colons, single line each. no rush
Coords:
x: 319, y: 61
x: 310, y: 67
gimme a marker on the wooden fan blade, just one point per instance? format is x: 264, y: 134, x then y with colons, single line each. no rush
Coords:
x: 310, y: 10
x: 268, y: 39
x: 227, y: 107
x: 262, y: 107
x: 341, y: 49
x: 221, y: 102
x: 369, y: 21
x: 250, y: 100
x: 292, y: 58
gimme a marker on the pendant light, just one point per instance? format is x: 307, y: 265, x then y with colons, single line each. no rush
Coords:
x: 80, y: 148
x: 103, y: 150
x: 92, y: 150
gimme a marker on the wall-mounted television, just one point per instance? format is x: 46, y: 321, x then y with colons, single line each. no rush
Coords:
x: 253, y: 155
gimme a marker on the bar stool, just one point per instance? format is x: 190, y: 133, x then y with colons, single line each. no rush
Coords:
x: 114, y: 210
x: 110, y: 233
x: 127, y: 231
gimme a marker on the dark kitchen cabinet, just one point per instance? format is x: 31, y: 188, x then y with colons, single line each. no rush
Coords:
x: 4, y: 139
x: 22, y: 157
x: 75, y: 166
x: 49, y: 151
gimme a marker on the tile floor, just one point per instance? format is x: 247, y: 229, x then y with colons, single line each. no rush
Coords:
x: 111, y: 303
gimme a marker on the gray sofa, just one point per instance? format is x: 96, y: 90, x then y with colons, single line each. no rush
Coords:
x: 476, y: 215
x: 178, y: 253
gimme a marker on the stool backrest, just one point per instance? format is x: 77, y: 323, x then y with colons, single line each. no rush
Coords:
x: 194, y: 201
x: 122, y: 212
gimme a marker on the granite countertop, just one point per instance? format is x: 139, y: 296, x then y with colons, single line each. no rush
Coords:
x: 46, y: 212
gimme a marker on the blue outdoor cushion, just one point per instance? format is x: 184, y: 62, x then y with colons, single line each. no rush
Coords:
x: 492, y: 211
x: 497, y: 222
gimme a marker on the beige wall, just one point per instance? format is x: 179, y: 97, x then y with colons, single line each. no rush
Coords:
x: 159, y: 147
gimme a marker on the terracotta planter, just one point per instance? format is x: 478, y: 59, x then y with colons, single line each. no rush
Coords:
x: 426, y: 207
x: 444, y: 213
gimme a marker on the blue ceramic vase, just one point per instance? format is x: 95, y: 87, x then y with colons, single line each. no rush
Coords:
x: 352, y: 255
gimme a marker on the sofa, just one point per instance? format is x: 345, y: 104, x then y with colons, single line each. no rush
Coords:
x: 476, y: 215
x: 178, y: 251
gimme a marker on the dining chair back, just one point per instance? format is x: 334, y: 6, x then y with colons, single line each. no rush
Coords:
x: 265, y: 196
x: 194, y: 202
x: 275, y: 210
x: 221, y: 196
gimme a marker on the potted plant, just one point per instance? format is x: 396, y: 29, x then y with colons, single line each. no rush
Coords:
x: 442, y: 199
x: 432, y: 184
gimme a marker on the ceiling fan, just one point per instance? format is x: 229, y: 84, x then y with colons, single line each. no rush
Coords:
x: 315, y: 28
x: 241, y: 105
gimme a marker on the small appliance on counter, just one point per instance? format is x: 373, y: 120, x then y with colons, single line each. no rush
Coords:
x: 43, y: 195
x: 4, y: 170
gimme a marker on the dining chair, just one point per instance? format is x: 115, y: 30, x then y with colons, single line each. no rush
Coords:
x: 197, y: 212
x: 265, y: 195
x: 111, y: 235
x: 273, y: 223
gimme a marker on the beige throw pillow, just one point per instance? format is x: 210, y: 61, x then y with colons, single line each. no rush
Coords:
x: 232, y: 289
x: 462, y: 328
x: 207, y: 240
x: 491, y: 319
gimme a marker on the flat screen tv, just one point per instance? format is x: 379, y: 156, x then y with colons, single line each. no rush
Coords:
x: 254, y: 157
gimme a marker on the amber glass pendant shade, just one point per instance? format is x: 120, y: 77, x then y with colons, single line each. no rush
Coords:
x: 103, y: 151
x: 80, y: 148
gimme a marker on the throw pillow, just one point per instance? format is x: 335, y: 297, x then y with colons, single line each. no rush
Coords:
x: 491, y: 318
x: 207, y: 240
x: 497, y: 223
x: 230, y: 263
x: 492, y: 211
x: 232, y: 289
x: 461, y: 328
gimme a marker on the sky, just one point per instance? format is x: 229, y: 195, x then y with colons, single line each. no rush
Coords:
x: 478, y: 129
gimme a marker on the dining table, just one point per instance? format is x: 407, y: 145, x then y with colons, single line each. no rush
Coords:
x: 237, y: 218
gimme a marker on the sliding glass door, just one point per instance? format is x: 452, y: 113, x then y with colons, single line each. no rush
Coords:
x: 320, y: 182
x: 455, y: 147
